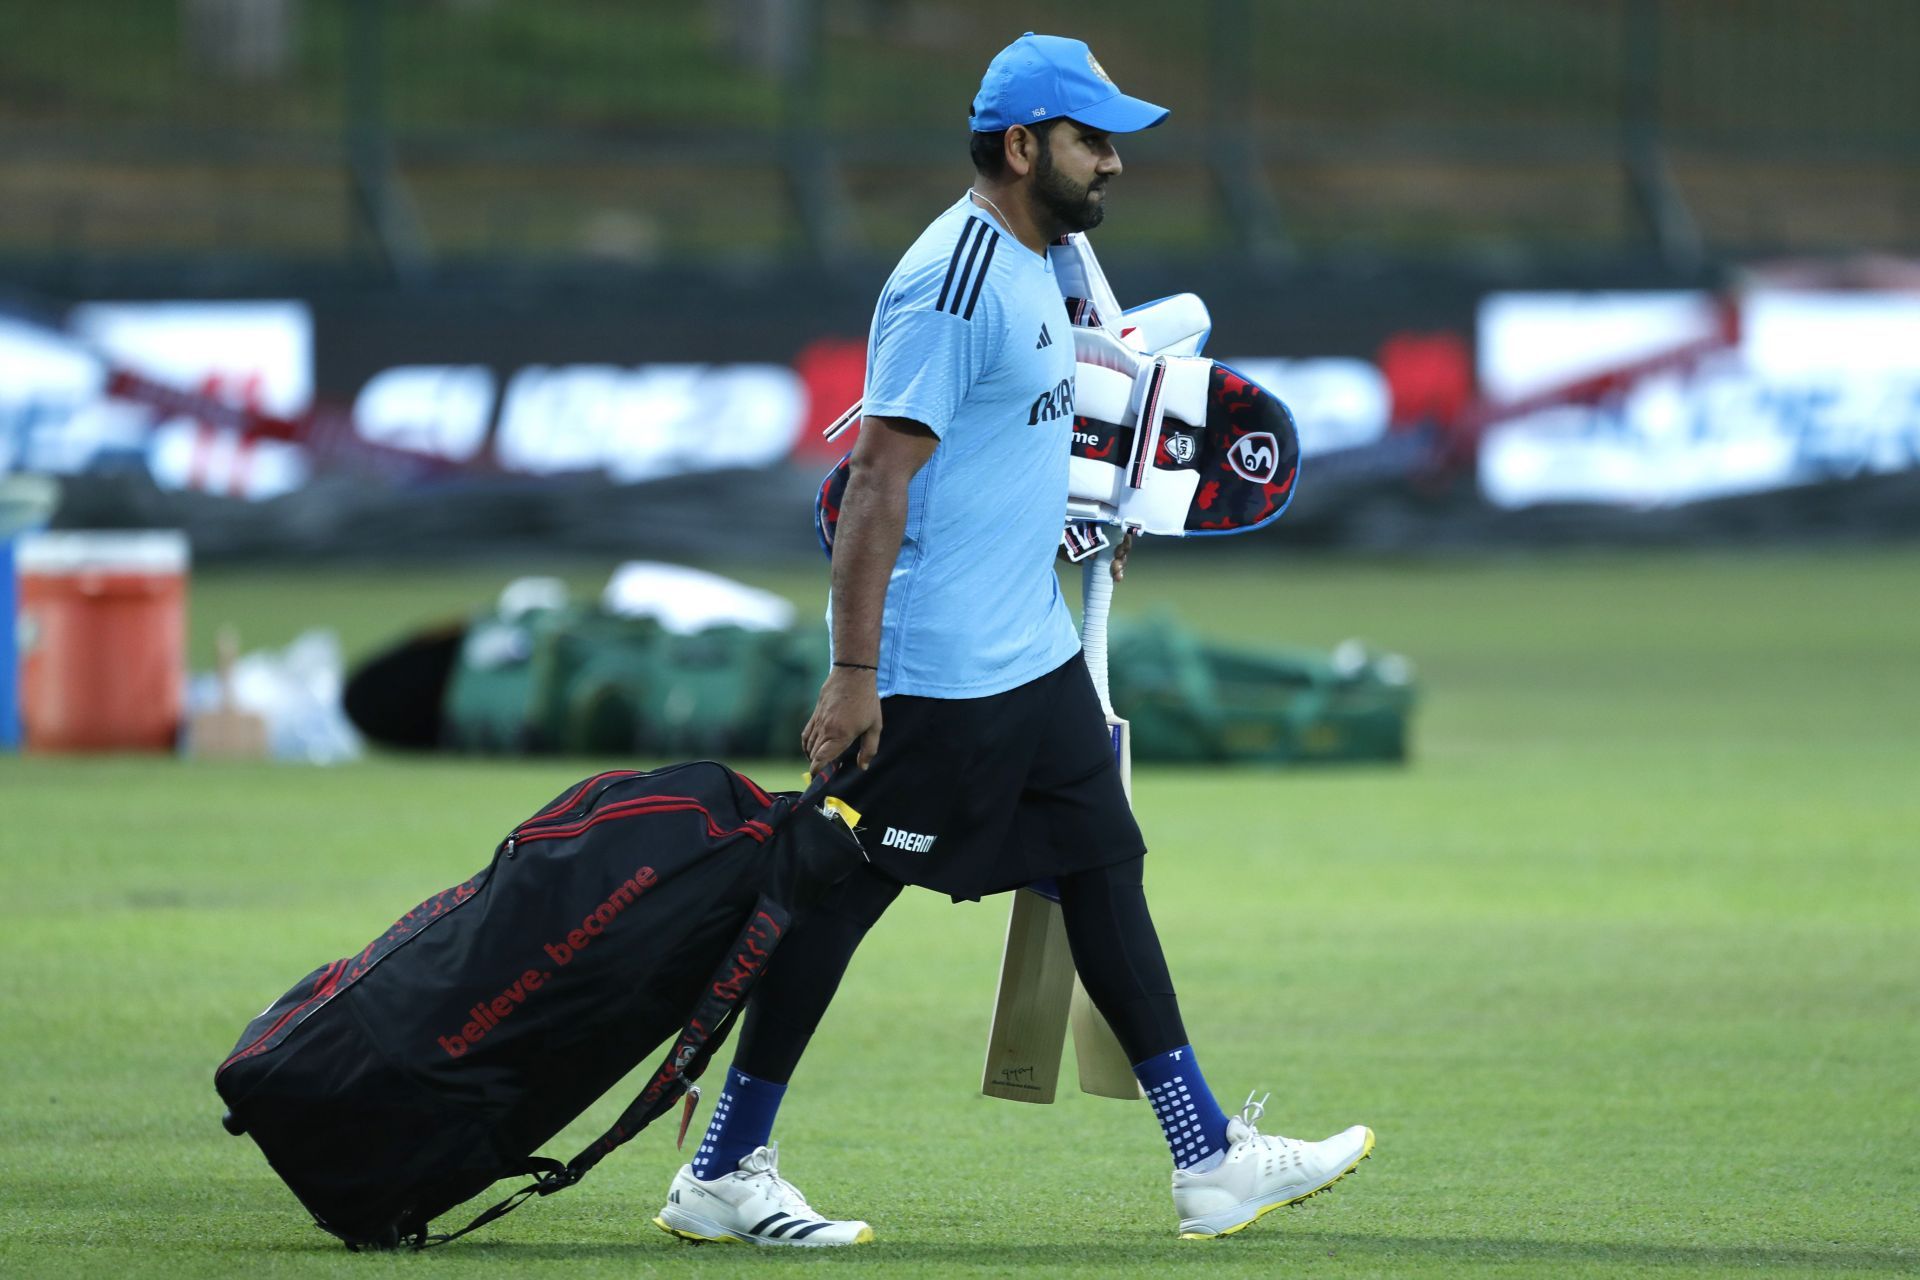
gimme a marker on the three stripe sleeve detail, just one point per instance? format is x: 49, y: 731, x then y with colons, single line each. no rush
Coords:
x: 981, y: 278
x: 955, y: 287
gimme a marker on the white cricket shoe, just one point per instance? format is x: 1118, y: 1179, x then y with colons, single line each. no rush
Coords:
x: 1260, y: 1174
x: 753, y: 1203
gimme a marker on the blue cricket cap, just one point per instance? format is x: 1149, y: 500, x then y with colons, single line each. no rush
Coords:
x: 1039, y: 78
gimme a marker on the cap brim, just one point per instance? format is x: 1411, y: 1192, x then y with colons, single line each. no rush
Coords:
x: 1120, y: 114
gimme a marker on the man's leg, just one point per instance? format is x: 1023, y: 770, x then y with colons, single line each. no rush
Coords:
x: 732, y: 1189
x: 1117, y: 952
x: 786, y: 1006
x: 1226, y: 1174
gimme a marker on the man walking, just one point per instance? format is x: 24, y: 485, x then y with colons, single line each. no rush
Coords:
x: 985, y: 758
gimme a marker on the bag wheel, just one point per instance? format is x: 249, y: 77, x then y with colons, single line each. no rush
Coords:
x: 233, y: 1124
x: 387, y: 1240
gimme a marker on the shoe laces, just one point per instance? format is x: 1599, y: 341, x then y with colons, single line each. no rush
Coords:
x: 788, y: 1195
x: 1250, y: 1112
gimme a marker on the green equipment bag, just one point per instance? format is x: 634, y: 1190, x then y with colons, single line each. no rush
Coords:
x: 1190, y: 701
x: 580, y: 681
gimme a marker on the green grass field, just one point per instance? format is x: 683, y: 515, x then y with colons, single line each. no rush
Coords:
x: 1622, y: 969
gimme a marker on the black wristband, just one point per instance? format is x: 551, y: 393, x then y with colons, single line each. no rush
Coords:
x: 862, y: 666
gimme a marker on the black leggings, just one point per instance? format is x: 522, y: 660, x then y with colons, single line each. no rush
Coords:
x: 1109, y: 930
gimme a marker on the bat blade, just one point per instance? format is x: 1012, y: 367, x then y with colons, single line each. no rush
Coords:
x: 1103, y: 1066
x: 1030, y: 1009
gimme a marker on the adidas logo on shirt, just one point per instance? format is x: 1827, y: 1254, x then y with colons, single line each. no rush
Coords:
x: 1045, y: 340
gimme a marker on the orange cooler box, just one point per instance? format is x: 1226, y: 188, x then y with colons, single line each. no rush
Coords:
x: 103, y: 626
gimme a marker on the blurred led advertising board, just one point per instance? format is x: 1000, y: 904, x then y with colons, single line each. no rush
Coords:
x: 647, y: 421
x: 225, y: 370
x: 224, y: 398
x: 56, y: 414
x: 631, y: 422
x: 1703, y: 397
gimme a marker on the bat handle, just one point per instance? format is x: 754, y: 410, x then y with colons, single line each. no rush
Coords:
x: 1096, y: 601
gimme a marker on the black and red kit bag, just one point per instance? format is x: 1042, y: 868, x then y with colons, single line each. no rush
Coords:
x: 634, y: 911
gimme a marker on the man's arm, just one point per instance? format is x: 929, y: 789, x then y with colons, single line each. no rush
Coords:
x: 873, y: 516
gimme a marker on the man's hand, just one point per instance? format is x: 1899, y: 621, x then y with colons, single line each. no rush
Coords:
x: 849, y: 708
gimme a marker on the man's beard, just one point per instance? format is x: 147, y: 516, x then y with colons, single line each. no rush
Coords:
x: 1072, y: 208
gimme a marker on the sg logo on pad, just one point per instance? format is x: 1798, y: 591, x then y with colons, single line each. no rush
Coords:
x: 1255, y: 457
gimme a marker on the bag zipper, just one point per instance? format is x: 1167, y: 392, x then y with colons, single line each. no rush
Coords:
x: 577, y: 804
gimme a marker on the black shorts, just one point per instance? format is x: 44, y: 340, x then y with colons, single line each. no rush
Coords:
x: 972, y: 796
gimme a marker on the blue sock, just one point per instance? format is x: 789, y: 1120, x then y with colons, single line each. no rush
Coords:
x: 1193, y: 1122
x: 742, y: 1120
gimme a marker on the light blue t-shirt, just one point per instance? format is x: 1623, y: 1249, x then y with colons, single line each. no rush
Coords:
x: 971, y: 338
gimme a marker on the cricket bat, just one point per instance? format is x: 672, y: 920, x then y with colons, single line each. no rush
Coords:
x: 1039, y: 993
x: 1030, y: 1010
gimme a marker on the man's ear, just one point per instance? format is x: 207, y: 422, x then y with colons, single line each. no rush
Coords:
x: 1023, y: 149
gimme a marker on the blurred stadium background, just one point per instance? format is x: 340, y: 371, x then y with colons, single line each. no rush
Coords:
x: 1601, y: 321
x: 485, y: 242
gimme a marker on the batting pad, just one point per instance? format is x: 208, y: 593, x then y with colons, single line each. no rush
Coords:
x: 1175, y: 326
x: 1223, y: 459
